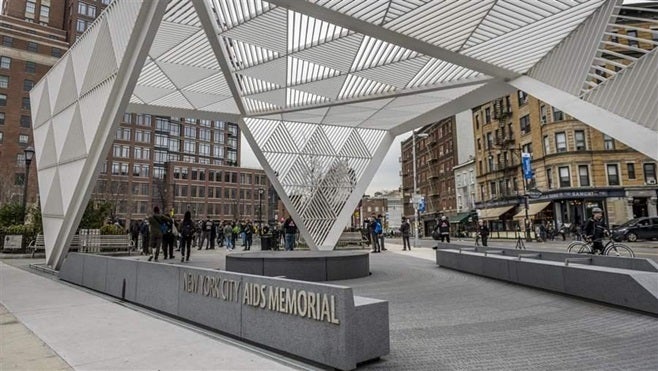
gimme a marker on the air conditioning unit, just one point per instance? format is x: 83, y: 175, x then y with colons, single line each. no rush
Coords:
x: 651, y: 181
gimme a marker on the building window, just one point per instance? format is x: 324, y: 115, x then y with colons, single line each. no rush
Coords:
x: 649, y: 173
x: 190, y: 132
x: 583, y: 175
x: 174, y: 129
x: 19, y: 179
x: 2, y: 118
x: 565, y: 178
x: 549, y: 177
x: 557, y: 115
x: 174, y: 145
x: 547, y: 145
x: 524, y: 124
x: 44, y: 13
x: 630, y: 167
x: 542, y: 113
x: 28, y: 85
x: 26, y: 121
x: 487, y: 115
x: 4, y: 82
x: 579, y: 138
x: 608, y: 142
x: 25, y: 103
x: 161, y: 141
x: 32, y: 46
x: 204, y: 134
x: 526, y: 148
x: 218, y: 151
x: 204, y: 149
x: 8, y: 41
x: 56, y: 52
x: 81, y: 26
x: 3, y: 100
x: 523, y: 97
x: 560, y: 142
x: 1, y: 136
x: 492, y: 188
x: 30, y: 67
x: 30, y: 7
x: 632, y: 33
x: 106, y: 2
x: 22, y: 139
x: 613, y: 174
x: 5, y: 63
x: 188, y: 146
x: 161, y: 124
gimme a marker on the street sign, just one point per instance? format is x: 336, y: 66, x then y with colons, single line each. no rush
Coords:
x: 527, y: 168
x: 421, y: 204
x: 534, y: 193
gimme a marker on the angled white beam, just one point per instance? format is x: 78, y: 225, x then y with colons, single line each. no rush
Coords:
x: 381, y: 33
x: 181, y: 112
x: 212, y: 31
x: 486, y: 93
x: 631, y: 133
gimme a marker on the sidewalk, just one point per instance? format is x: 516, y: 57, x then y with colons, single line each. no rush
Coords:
x: 85, y: 331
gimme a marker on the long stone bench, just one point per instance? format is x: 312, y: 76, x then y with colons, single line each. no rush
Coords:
x: 627, y: 282
x: 322, y: 323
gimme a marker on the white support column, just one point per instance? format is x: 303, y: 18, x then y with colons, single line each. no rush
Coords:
x: 631, y: 133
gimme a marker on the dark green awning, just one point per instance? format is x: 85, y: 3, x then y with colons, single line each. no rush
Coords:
x: 459, y: 218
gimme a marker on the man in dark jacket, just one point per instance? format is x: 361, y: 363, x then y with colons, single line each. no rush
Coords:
x: 444, y: 229
x: 404, y: 229
x: 483, y: 231
x: 290, y: 230
x: 156, y: 230
x: 595, y: 230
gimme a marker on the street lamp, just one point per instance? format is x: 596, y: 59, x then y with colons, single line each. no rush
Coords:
x: 260, y: 209
x: 416, y: 197
x: 29, y: 154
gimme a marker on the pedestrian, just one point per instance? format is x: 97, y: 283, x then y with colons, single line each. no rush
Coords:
x: 228, y: 233
x: 405, y: 227
x: 248, y: 235
x: 145, y: 231
x: 168, y: 239
x: 187, y: 230
x: 290, y: 229
x: 483, y: 231
x: 157, y: 225
x: 213, y: 235
x: 134, y: 234
x: 375, y: 228
x: 235, y: 232
x: 220, y: 234
x: 380, y: 220
x: 444, y: 229
x: 595, y: 229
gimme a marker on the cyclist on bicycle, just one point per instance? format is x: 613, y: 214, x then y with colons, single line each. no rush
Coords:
x: 595, y: 230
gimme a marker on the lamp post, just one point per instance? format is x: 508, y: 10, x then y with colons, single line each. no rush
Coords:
x: 260, y: 209
x: 415, y: 197
x: 29, y: 154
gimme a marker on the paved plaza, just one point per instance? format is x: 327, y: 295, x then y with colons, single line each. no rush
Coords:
x: 439, y: 319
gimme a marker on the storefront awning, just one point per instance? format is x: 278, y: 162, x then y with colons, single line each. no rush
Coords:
x: 532, y: 210
x: 459, y: 218
x: 493, y: 213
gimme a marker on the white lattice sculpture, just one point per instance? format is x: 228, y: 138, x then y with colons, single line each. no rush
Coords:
x: 321, y: 88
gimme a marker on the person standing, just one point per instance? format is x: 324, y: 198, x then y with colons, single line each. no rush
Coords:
x: 595, y: 230
x: 374, y: 228
x: 380, y: 220
x: 483, y: 231
x: 187, y: 229
x: 168, y: 239
x: 290, y: 229
x: 248, y: 235
x: 444, y: 229
x: 213, y: 235
x: 228, y: 232
x: 404, y: 229
x: 156, y: 229
x: 134, y: 234
x: 144, y: 231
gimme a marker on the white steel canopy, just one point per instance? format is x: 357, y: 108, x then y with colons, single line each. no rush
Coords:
x: 320, y: 88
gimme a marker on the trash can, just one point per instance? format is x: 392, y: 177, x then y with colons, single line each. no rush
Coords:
x: 266, y: 242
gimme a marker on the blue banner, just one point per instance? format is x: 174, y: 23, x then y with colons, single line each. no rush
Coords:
x: 527, y: 168
x: 421, y: 205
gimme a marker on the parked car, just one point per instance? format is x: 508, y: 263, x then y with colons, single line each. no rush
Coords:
x: 637, y: 229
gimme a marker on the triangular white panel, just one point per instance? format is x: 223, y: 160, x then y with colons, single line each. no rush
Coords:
x: 54, y: 78
x: 275, y: 97
x: 169, y: 35
x: 274, y: 71
x: 75, y: 146
x: 149, y: 94
x: 51, y: 229
x: 326, y: 88
x: 48, y: 155
x: 91, y: 111
x: 39, y: 136
x: 67, y: 90
x: 152, y: 75
x: 338, y: 54
x: 397, y: 74
x: 301, y: 132
x: 43, y: 108
x: 121, y: 22
x: 281, y: 162
x: 103, y: 62
x: 81, y: 54
x: 215, y: 84
x: 199, y: 100
x: 319, y: 143
x: 53, y: 205
x: 280, y: 140
x: 262, y: 129
x: 61, y: 124
x: 175, y: 100
x: 227, y: 105
x: 252, y: 32
x: 183, y: 76
x: 354, y: 147
x: 135, y: 99
x: 298, y: 98
x: 302, y: 117
x: 338, y: 135
x: 67, y: 172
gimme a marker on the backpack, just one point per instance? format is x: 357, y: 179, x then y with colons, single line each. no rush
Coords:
x: 165, y: 227
x: 378, y: 227
x: 188, y: 230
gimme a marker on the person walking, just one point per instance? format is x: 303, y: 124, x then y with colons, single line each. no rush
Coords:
x: 248, y: 235
x: 187, y: 230
x: 213, y: 235
x: 290, y: 229
x: 168, y: 239
x: 405, y: 227
x: 375, y: 228
x: 444, y: 229
x: 595, y: 230
x: 483, y: 231
x: 156, y: 229
x: 134, y: 234
x: 228, y: 233
x: 380, y: 220
x: 144, y: 231
x: 235, y: 233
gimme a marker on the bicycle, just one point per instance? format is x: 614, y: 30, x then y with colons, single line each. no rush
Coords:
x: 611, y: 248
